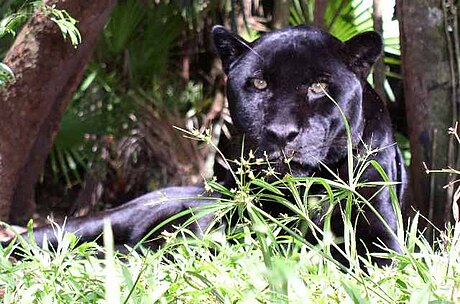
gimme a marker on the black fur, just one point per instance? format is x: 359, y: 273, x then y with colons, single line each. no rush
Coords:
x: 284, y: 116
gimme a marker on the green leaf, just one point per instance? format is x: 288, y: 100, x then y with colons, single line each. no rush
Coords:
x: 264, y: 185
x: 6, y: 74
x: 354, y: 293
x: 219, y: 188
x: 65, y: 22
x: 421, y: 296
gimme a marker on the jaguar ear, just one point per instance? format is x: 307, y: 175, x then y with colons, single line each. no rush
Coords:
x: 363, y: 50
x: 229, y: 46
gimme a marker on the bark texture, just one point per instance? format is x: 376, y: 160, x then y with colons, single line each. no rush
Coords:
x: 280, y: 14
x: 48, y: 70
x: 430, y: 88
x: 378, y: 74
x: 318, y: 13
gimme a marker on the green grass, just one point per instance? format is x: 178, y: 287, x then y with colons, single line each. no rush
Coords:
x: 259, y: 259
x: 213, y: 270
x: 262, y: 259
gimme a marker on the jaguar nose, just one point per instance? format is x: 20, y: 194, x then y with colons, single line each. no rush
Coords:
x: 281, y: 134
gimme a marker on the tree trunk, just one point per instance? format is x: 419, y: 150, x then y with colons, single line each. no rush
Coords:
x: 430, y: 88
x: 280, y: 14
x: 23, y: 202
x: 378, y: 76
x: 48, y: 70
x: 318, y: 13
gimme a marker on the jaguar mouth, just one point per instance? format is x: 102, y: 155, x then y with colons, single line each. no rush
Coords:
x: 293, y: 166
x: 280, y: 155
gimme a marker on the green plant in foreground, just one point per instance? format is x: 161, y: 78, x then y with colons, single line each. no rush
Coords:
x: 261, y: 258
x: 214, y: 270
x: 256, y: 263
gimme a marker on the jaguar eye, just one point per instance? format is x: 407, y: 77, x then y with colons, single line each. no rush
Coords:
x: 318, y: 87
x: 259, y: 84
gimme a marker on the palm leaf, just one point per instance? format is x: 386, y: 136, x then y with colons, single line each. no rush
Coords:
x: 123, y: 25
